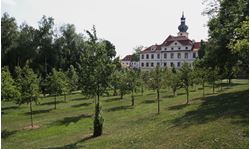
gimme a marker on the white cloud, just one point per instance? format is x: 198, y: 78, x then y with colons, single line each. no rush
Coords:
x: 9, y: 2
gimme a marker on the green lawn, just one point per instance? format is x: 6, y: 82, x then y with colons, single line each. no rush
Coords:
x: 219, y: 120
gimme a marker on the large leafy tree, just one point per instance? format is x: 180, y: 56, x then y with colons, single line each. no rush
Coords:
x: 228, y: 36
x: 9, y: 34
x: 9, y: 90
x: 96, y: 69
x: 46, y: 57
x: 28, y: 85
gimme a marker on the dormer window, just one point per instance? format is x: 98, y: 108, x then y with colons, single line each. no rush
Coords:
x: 179, y: 48
x: 165, y: 49
x: 186, y: 48
x: 172, y: 48
x: 175, y: 43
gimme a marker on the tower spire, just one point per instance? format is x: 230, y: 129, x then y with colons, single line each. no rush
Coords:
x: 183, y: 27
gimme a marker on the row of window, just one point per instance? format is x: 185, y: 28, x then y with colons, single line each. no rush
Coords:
x: 175, y: 48
x: 158, y: 64
x: 165, y: 56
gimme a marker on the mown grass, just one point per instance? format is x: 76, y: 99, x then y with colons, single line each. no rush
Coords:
x: 219, y: 120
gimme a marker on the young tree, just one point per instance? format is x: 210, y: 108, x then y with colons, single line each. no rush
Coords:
x: 73, y: 78
x: 132, y: 83
x: 28, y: 85
x: 156, y: 82
x: 173, y: 80
x: 57, y: 84
x: 186, y: 78
x: 8, y: 88
x: 96, y: 70
x: 201, y: 72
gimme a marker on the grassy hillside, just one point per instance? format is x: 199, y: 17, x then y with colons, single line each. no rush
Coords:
x: 217, y: 121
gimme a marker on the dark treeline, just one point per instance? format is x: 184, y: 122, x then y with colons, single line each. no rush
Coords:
x: 44, y: 48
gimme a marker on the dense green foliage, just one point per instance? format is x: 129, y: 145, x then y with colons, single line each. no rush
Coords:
x: 9, y: 89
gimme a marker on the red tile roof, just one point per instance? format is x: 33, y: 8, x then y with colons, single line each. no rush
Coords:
x: 127, y: 58
x: 196, y: 46
x: 149, y: 49
x: 181, y: 39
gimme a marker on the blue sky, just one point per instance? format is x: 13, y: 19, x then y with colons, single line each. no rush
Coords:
x: 126, y: 23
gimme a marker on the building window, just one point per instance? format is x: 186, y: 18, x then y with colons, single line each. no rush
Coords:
x: 186, y: 48
x: 175, y: 43
x: 147, y: 57
x: 165, y: 64
x: 152, y: 64
x: 158, y: 64
x: 178, y: 64
x: 142, y: 56
x: 194, y: 55
x: 172, y: 48
x: 186, y: 55
x: 165, y: 49
x: 147, y: 65
x: 179, y: 48
x: 152, y: 56
x: 142, y: 64
x: 179, y: 55
x: 172, y: 64
x: 165, y: 55
x: 158, y: 56
x: 172, y: 55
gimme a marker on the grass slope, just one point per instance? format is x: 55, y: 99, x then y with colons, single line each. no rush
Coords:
x: 217, y: 121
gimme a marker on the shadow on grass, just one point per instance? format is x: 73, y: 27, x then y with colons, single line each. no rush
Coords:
x: 227, y: 105
x: 81, y: 105
x: 9, y: 108
x: 181, y: 94
x: 67, y: 120
x: 151, y: 94
x: 38, y: 112
x: 52, y: 102
x: 119, y: 108
x: 148, y: 101
x: 5, y: 133
x: 113, y: 99
x: 168, y: 96
x: 178, y: 107
x: 72, y: 145
x: 77, y: 99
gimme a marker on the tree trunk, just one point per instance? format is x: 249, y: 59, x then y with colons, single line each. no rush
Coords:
x: 142, y: 90
x: 121, y: 95
x: 31, y: 114
x: 203, y: 87
x: 132, y: 98
x: 55, y: 102
x: 115, y: 92
x: 187, y: 91
x: 174, y: 92
x: 213, y: 86
x: 221, y: 84
x: 98, y: 121
x: 158, y: 99
x: 64, y: 97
